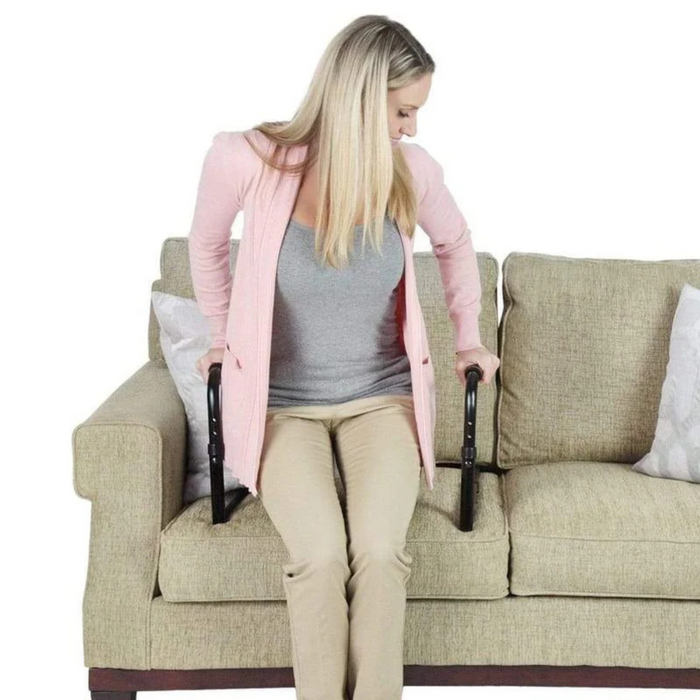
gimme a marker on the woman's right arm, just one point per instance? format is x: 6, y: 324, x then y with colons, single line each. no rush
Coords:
x: 219, y: 199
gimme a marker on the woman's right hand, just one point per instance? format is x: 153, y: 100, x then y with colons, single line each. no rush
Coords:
x: 205, y: 361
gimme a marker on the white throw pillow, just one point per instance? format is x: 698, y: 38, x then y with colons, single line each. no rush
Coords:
x: 185, y: 337
x: 675, y: 451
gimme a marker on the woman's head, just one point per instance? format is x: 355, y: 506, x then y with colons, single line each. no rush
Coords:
x: 364, y: 96
x: 369, y: 69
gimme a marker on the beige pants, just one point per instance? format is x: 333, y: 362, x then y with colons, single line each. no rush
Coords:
x: 346, y: 582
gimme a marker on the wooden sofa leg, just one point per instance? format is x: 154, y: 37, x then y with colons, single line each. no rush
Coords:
x: 113, y: 695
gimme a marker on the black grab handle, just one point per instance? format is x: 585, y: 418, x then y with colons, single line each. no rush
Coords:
x: 220, y: 510
x: 473, y: 374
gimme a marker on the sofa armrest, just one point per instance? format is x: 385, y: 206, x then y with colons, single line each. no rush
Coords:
x: 129, y: 460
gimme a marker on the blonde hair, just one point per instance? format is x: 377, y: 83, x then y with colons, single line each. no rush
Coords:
x: 344, y: 121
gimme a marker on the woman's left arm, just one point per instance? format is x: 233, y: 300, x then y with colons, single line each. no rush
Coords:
x: 451, y: 241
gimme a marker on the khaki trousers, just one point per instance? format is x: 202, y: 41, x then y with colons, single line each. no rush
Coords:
x: 346, y: 582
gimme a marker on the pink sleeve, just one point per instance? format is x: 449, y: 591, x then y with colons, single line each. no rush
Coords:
x: 219, y: 199
x: 450, y: 238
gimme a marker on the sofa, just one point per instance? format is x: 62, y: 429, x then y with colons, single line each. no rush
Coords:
x: 578, y: 571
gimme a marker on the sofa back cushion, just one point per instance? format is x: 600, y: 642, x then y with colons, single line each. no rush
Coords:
x: 176, y: 279
x: 584, y: 345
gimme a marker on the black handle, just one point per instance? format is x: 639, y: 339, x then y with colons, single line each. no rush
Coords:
x: 473, y: 374
x: 216, y: 444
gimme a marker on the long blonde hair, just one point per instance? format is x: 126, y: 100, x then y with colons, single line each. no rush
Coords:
x: 344, y: 121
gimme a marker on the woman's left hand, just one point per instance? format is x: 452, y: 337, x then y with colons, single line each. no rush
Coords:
x: 479, y: 355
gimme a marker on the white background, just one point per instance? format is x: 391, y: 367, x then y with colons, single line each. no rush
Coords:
x: 568, y: 128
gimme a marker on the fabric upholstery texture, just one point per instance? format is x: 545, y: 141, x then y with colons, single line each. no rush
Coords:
x: 583, y: 345
x: 601, y: 529
x: 575, y: 558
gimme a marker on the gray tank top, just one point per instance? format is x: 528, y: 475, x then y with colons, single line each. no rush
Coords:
x: 335, y: 337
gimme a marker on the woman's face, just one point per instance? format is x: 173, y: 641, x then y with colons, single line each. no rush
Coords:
x: 403, y: 105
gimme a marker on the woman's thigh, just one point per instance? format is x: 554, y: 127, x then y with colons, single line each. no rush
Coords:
x: 379, y: 461
x: 297, y: 486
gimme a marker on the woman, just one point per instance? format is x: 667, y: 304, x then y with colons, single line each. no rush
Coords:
x: 347, y: 350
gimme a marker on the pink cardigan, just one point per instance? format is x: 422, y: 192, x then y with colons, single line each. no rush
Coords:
x: 239, y: 308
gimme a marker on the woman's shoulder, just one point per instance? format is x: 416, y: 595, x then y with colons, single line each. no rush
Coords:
x: 426, y: 170
x: 418, y: 157
x: 234, y: 150
x: 238, y: 143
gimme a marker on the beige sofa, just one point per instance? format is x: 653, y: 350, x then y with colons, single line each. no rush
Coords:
x: 579, y: 571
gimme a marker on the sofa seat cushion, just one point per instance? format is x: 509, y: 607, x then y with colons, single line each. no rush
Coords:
x: 601, y: 529
x: 242, y: 559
